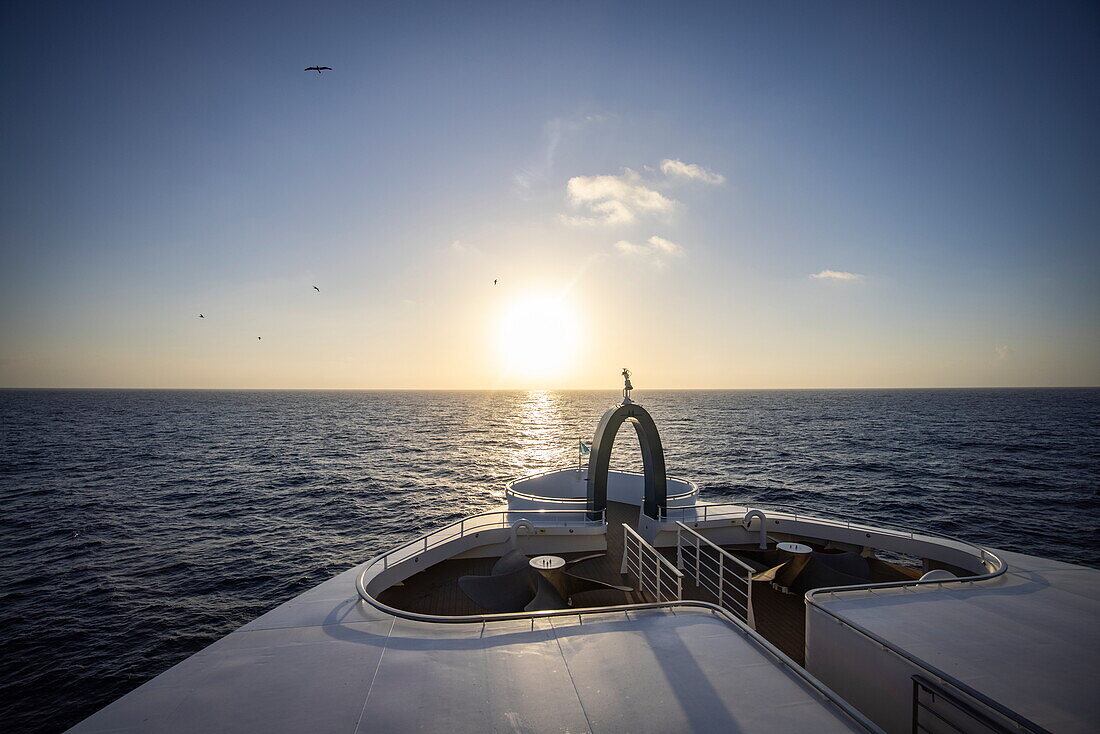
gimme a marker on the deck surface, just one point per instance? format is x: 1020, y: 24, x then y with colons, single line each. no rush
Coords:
x: 1029, y: 639
x: 327, y: 662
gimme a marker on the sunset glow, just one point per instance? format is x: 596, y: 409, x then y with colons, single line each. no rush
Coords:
x: 538, y: 337
x: 816, y: 200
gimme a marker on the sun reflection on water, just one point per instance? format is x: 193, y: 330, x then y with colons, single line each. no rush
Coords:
x: 539, y: 441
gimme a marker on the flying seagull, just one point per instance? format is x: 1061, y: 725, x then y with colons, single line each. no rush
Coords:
x: 494, y: 281
x: 317, y: 69
x: 259, y: 338
x: 201, y: 316
x: 316, y: 289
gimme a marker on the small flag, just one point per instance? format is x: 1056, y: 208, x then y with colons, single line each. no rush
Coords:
x: 585, y: 449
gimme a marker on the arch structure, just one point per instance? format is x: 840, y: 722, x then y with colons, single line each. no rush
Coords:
x: 653, y: 458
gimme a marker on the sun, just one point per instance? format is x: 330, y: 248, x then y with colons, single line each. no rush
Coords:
x: 537, y: 337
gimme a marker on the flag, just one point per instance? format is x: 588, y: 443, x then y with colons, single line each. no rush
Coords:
x: 585, y: 449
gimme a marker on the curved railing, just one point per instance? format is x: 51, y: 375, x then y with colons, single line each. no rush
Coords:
x: 509, y: 488
x: 995, y: 565
x: 736, y: 510
x: 483, y: 521
x: 476, y: 523
x: 365, y: 596
x: 1021, y: 721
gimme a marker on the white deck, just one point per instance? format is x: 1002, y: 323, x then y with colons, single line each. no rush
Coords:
x: 1029, y: 639
x: 325, y: 662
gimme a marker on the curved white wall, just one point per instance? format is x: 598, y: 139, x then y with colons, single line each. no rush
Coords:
x: 570, y: 486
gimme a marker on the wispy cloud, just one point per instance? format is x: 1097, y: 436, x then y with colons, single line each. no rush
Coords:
x: 459, y: 247
x: 629, y: 248
x: 678, y: 169
x: 554, y: 133
x: 664, y: 247
x: 657, y: 250
x: 613, y: 199
x: 837, y: 275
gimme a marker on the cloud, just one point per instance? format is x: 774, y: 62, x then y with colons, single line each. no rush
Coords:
x: 613, y: 199
x: 459, y: 247
x: 837, y: 275
x: 664, y: 247
x: 678, y: 169
x: 629, y: 248
x: 656, y: 250
x: 554, y: 133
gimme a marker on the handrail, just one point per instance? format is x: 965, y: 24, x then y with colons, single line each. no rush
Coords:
x: 467, y: 521
x: 718, y: 548
x: 663, y: 560
x: 997, y: 567
x: 510, y: 490
x: 715, y: 581
x: 640, y: 545
x: 846, y: 708
x: 920, y: 683
x: 921, y: 664
x: 993, y: 560
x: 990, y: 559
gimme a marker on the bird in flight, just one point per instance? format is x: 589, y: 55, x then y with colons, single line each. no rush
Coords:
x: 316, y: 289
x: 259, y: 338
x: 494, y: 281
x: 318, y: 69
x: 201, y: 316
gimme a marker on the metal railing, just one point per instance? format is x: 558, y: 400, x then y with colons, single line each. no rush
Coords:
x: 717, y: 571
x: 936, y: 708
x: 470, y: 523
x: 736, y: 511
x: 511, y: 491
x: 995, y: 565
x: 656, y: 574
x: 475, y: 524
x: 930, y: 671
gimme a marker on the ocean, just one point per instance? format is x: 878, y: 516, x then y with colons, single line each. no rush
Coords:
x: 139, y: 526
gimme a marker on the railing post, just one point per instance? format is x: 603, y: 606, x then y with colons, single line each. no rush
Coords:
x: 679, y: 549
x: 659, y: 588
x: 626, y: 550
x: 698, y: 548
x: 748, y: 600
x: 721, y: 577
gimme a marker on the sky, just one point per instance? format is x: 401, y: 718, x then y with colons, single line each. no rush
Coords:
x: 715, y: 195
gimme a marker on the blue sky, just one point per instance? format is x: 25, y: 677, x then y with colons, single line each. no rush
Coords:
x: 161, y: 161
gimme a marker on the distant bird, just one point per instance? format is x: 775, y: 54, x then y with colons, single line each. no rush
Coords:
x: 259, y: 338
x: 494, y: 281
x: 201, y: 316
x: 316, y: 289
x: 318, y: 69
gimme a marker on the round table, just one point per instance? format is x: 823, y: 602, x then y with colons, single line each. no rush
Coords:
x: 796, y: 548
x: 544, y: 564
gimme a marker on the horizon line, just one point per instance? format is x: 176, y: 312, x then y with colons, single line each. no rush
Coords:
x: 558, y: 389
